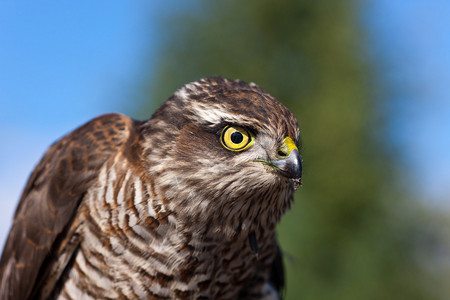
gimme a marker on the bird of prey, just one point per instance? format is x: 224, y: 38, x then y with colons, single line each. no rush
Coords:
x: 181, y: 206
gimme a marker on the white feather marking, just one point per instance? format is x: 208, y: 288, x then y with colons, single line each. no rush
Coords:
x: 138, y: 200
x: 213, y: 114
x: 182, y: 93
x: 172, y: 220
x: 73, y: 291
x: 102, y: 177
x: 100, y: 281
x: 110, y: 186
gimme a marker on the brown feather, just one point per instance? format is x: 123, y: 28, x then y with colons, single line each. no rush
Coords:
x: 50, y: 200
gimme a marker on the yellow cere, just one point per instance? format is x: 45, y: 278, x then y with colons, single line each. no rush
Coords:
x: 287, y: 146
x: 236, y: 138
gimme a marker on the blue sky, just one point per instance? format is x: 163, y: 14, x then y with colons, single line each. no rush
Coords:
x: 413, y: 39
x: 63, y: 63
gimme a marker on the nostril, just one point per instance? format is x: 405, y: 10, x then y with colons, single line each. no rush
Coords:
x: 281, y: 153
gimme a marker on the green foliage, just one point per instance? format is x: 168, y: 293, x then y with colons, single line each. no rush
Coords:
x: 344, y: 237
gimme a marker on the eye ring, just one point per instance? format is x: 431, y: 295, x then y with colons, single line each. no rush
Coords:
x: 236, y: 138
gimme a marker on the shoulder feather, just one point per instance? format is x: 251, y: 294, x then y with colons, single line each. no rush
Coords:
x: 51, y: 197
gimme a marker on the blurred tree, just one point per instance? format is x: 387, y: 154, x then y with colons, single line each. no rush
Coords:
x: 349, y: 234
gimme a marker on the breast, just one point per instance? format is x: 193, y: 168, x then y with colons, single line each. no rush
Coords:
x: 132, y: 246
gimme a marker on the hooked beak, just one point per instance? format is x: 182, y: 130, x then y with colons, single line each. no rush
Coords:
x: 290, y: 167
x: 288, y: 162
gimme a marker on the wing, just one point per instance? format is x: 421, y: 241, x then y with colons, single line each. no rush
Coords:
x: 277, y: 279
x: 50, y: 200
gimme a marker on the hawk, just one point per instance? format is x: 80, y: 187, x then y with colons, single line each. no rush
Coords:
x: 181, y: 206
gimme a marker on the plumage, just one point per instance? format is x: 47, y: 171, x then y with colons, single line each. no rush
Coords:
x: 183, y: 205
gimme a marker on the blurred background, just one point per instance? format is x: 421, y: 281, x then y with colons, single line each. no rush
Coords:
x: 367, y: 80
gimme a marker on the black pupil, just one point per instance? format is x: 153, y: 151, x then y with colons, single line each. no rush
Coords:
x: 237, y: 137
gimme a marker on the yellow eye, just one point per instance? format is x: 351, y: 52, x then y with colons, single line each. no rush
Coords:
x: 236, y: 138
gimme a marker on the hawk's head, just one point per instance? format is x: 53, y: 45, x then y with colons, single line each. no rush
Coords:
x: 225, y: 150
